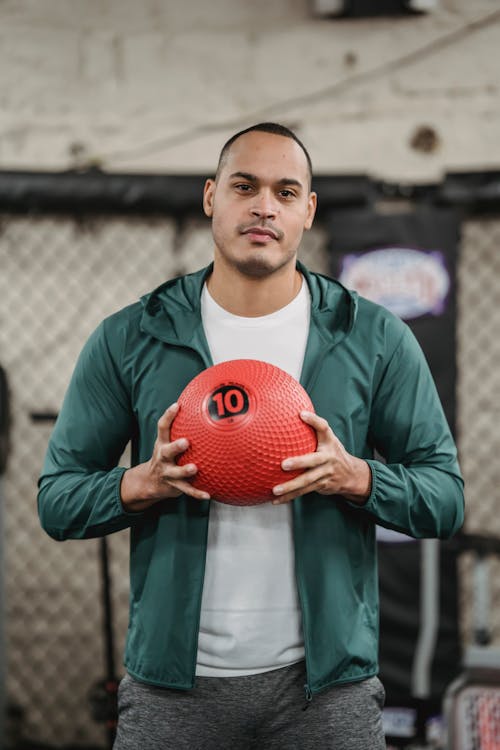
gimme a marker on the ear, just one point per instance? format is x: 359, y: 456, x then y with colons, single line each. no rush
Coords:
x: 312, y: 203
x: 208, y: 197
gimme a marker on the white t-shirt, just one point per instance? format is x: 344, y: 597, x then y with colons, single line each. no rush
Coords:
x: 250, y: 613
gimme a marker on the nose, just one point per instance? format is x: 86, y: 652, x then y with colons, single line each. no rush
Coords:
x: 265, y: 205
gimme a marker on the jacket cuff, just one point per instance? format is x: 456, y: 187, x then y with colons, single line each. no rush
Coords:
x: 118, y: 496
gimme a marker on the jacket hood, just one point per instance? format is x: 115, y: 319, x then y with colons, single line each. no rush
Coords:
x: 172, y: 312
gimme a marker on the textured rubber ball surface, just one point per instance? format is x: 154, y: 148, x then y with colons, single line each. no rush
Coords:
x: 242, y: 418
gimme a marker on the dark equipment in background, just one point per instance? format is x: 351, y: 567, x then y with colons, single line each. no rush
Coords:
x: 371, y: 8
x: 103, y: 695
x: 4, y: 421
x: 472, y: 700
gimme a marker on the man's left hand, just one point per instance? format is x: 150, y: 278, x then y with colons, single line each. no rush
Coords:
x: 330, y: 470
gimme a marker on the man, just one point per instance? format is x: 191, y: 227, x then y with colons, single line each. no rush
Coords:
x: 242, y: 617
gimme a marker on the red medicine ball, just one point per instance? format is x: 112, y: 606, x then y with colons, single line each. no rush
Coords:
x: 242, y: 418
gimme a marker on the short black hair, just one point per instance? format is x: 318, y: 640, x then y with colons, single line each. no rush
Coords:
x: 263, y: 127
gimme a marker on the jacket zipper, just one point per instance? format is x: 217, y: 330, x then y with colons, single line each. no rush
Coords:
x: 205, y: 363
x: 195, y: 655
x: 298, y: 577
x: 309, y: 696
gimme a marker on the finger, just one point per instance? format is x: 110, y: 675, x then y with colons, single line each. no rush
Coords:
x: 187, y: 488
x: 305, y: 461
x: 169, y: 451
x: 319, y: 424
x: 288, y: 496
x: 176, y: 472
x: 283, y: 499
x: 179, y: 477
x: 298, y: 485
x: 165, y: 422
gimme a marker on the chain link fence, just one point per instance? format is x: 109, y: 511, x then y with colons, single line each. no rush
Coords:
x: 58, y: 278
x: 478, y: 388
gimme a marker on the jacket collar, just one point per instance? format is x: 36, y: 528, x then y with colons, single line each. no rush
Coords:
x: 172, y: 313
x: 333, y: 313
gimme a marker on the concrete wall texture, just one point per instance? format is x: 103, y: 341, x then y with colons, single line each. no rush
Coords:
x: 159, y: 85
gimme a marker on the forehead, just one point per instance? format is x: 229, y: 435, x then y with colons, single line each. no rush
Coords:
x: 267, y: 156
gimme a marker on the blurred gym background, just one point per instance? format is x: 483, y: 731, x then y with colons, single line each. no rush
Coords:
x: 112, y: 112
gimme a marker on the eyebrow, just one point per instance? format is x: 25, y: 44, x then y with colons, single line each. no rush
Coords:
x: 253, y: 178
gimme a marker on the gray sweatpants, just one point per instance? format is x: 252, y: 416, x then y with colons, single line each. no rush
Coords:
x: 259, y: 712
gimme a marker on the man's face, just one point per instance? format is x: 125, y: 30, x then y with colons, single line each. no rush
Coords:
x: 260, y: 204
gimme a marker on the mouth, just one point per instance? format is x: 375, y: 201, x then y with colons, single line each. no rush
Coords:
x: 260, y: 234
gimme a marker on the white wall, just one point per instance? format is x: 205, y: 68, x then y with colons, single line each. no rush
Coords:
x: 158, y: 85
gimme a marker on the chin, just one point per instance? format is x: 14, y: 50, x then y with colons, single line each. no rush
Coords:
x: 256, y: 268
x: 260, y: 265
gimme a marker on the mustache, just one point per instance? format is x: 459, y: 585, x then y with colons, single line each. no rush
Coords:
x: 242, y: 228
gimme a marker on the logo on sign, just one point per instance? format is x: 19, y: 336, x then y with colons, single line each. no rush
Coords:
x: 409, y: 282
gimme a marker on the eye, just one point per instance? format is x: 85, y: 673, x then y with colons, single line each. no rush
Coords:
x: 286, y: 193
x: 243, y: 187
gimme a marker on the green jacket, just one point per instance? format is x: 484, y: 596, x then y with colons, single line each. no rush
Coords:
x: 365, y: 374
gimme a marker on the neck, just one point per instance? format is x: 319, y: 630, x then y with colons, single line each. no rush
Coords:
x: 253, y: 297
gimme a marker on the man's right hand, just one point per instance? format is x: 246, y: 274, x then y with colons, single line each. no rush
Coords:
x: 160, y: 478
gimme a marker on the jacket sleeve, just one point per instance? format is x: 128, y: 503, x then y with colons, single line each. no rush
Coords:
x: 79, y: 488
x: 419, y: 490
